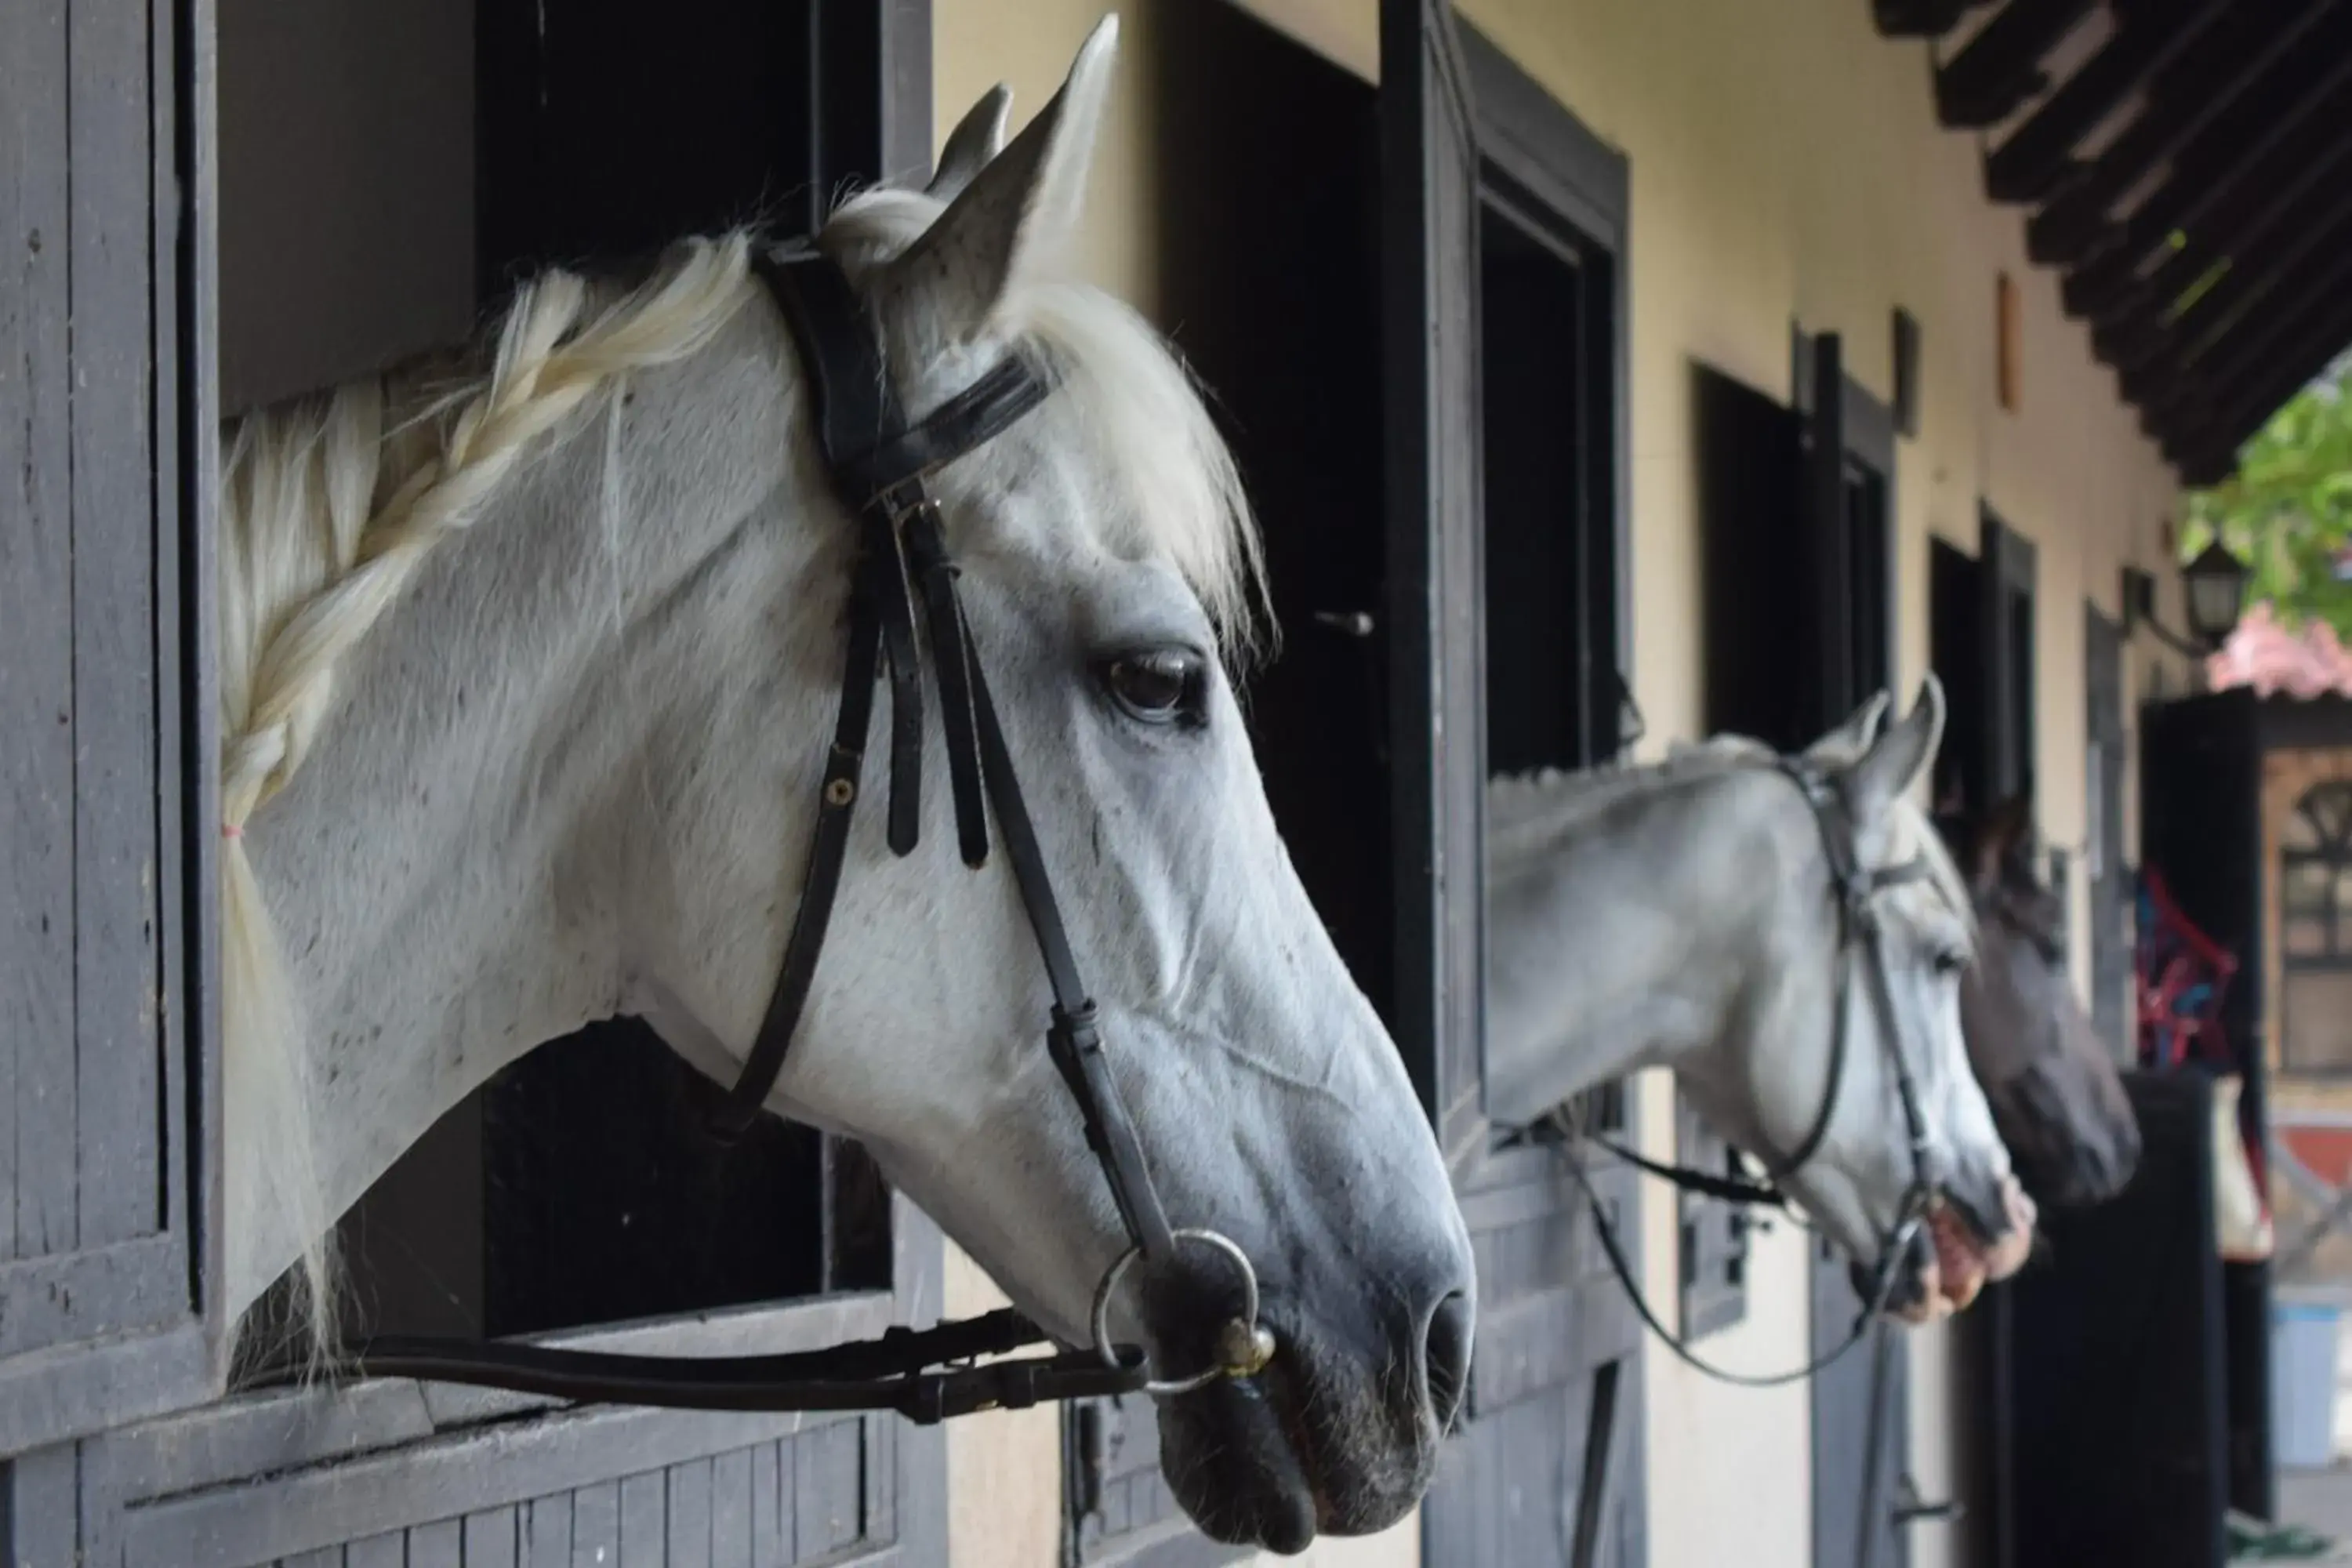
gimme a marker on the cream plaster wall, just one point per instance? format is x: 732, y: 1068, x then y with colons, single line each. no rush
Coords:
x: 1785, y: 167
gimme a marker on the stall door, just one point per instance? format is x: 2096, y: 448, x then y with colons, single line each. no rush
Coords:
x: 107, y: 821
x: 2110, y: 877
x: 1861, y: 1422
x: 1996, y: 734
x: 1504, y: 273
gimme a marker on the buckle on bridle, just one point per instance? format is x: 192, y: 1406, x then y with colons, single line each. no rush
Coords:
x: 904, y: 501
x: 1245, y: 1345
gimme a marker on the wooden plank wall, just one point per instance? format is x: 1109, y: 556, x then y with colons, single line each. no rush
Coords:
x: 82, y: 524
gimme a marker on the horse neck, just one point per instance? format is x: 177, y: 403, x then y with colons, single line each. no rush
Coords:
x: 1623, y: 931
x: 463, y: 868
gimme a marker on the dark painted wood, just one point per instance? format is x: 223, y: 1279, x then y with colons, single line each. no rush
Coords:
x: 442, y: 1544
x: 1861, y: 1432
x: 1545, y: 1485
x: 493, y: 1539
x: 186, y: 238
x: 2237, y: 56
x: 40, y: 1495
x: 1906, y: 408
x: 2216, y: 334
x: 596, y: 1525
x: 2204, y: 437
x: 732, y: 1510
x: 1552, y: 283
x: 2200, y: 823
x: 2036, y: 157
x: 645, y: 1515
x: 2107, y: 755
x: 108, y: 1111
x: 1861, y: 1428
x: 98, y: 1317
x: 392, y: 1551
x: 1430, y: 189
x: 1832, y: 593
x: 2132, y: 1284
x: 36, y: 782
x: 2002, y: 743
x: 2007, y: 582
x: 1545, y: 1468
x: 2225, y: 157
x: 2251, y: 218
x: 1751, y: 519
x: 1526, y: 136
x: 98, y: 1292
x: 1998, y: 68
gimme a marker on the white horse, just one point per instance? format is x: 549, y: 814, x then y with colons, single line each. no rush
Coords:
x: 529, y: 675
x: 1684, y: 915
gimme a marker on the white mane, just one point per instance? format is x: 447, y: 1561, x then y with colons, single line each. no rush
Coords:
x: 331, y: 502
x: 1524, y: 809
x: 1549, y: 792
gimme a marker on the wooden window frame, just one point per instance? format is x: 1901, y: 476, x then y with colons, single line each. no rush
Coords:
x: 121, y: 1325
x: 2332, y: 854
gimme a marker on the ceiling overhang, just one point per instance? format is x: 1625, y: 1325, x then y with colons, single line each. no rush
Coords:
x: 2186, y: 166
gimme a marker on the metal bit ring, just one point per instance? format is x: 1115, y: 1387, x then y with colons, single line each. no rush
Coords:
x: 1243, y: 1345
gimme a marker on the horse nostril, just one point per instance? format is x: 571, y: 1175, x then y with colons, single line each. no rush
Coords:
x: 1447, y: 1357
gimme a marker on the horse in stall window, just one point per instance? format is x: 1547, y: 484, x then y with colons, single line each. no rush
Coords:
x: 2056, y: 1093
x: 1789, y: 936
x: 529, y: 659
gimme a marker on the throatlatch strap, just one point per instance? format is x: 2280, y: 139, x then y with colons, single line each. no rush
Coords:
x: 821, y: 883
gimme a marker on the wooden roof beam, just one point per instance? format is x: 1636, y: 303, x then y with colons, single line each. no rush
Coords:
x: 2217, y: 160
x: 2001, y: 67
x: 2255, y: 214
x: 2273, y: 337
x: 1919, y: 19
x: 2214, y: 326
x: 2245, y: 51
x: 2214, y: 442
x: 2037, y: 157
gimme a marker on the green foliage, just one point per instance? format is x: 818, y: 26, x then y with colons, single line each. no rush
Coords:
x: 2287, y: 511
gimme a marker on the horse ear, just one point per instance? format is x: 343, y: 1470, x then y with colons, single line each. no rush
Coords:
x: 1842, y: 746
x: 2008, y: 828
x: 1898, y: 756
x: 1017, y: 209
x: 974, y: 142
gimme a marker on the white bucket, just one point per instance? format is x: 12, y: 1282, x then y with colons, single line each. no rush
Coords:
x: 2302, y: 1384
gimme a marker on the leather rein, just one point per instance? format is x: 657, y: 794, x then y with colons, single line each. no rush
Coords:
x: 1856, y: 888
x: 902, y: 578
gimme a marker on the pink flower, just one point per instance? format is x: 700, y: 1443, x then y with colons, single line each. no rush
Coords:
x: 2267, y: 656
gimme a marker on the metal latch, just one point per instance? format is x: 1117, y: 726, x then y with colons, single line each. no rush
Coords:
x: 1909, y: 1509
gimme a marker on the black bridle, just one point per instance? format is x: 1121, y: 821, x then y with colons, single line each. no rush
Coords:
x: 1856, y: 888
x: 879, y: 461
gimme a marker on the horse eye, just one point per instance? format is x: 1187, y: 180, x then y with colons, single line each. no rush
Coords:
x: 1950, y: 961
x: 1157, y: 686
